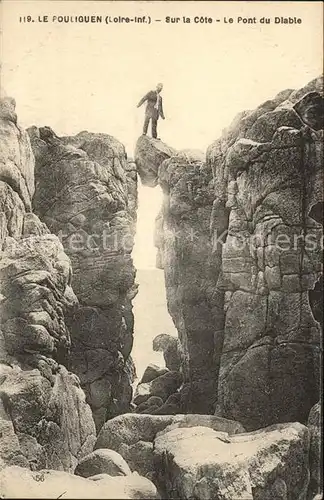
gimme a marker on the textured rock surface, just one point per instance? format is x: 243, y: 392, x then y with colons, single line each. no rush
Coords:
x: 239, y: 240
x: 268, y: 171
x: 152, y: 401
x: 16, y: 482
x: 16, y: 158
x: 268, y: 464
x: 149, y: 155
x: 170, y: 347
x: 316, y: 451
x: 35, y: 278
x: 171, y: 406
x: 151, y: 372
x: 133, y: 435
x: 47, y: 410
x: 191, y: 272
x: 160, y: 391
x: 162, y: 387
x: 44, y: 419
x: 86, y: 192
x: 102, y: 462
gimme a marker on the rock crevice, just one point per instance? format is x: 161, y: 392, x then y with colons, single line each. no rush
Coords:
x: 242, y: 259
x: 86, y: 192
x: 232, y: 415
x: 44, y: 419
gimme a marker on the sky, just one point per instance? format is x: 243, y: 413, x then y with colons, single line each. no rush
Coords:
x: 76, y: 77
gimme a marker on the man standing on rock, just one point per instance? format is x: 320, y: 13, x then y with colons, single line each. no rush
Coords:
x: 153, y: 110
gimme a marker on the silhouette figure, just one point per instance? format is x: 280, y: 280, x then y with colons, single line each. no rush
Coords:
x: 154, y: 109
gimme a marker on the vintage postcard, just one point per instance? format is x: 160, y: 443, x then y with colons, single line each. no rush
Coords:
x: 161, y: 232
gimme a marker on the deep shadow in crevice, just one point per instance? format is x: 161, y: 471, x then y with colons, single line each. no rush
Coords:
x: 316, y: 301
x: 316, y: 212
x: 316, y: 295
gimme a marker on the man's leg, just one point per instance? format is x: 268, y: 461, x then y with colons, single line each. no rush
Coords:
x: 154, y: 127
x: 146, y: 124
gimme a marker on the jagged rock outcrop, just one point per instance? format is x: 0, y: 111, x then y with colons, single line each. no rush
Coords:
x: 170, y: 347
x: 16, y: 482
x: 160, y: 391
x: 44, y: 419
x: 102, y: 462
x: 316, y: 451
x: 270, y: 464
x: 239, y: 238
x: 16, y: 158
x: 161, y: 387
x: 133, y: 435
x: 151, y: 372
x: 268, y: 169
x: 149, y: 155
x: 152, y: 403
x: 191, y: 271
x: 86, y: 192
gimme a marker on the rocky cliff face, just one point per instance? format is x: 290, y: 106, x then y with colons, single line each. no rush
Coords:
x: 270, y: 463
x: 239, y: 238
x: 268, y: 172
x: 44, y: 419
x: 149, y: 154
x: 86, y: 193
x: 190, y: 271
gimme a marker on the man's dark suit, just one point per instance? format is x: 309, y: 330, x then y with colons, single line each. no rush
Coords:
x: 151, y: 113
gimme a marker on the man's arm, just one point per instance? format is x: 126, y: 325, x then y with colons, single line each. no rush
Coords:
x: 143, y: 100
x: 161, y: 110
